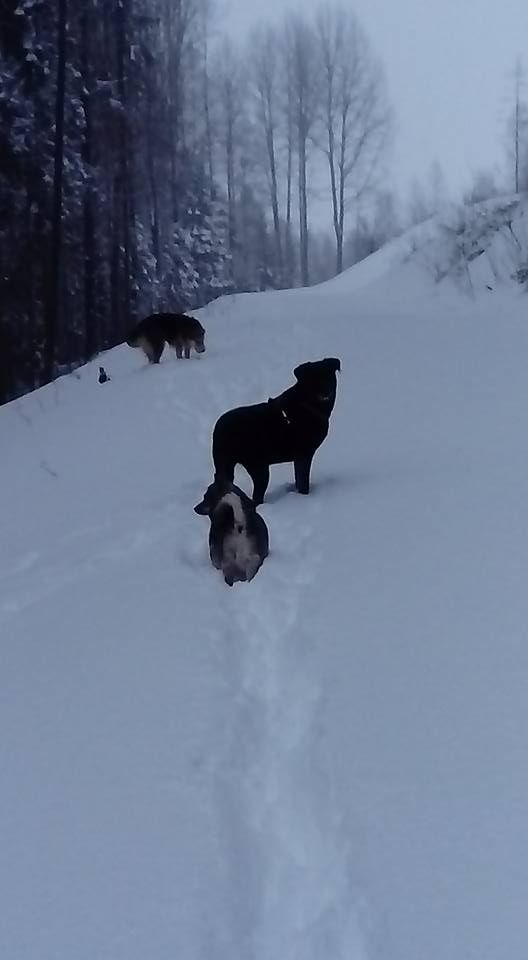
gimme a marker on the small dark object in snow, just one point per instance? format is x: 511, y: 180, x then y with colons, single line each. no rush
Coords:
x: 103, y: 376
x: 488, y: 287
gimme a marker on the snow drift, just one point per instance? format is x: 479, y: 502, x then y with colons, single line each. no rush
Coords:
x: 329, y: 762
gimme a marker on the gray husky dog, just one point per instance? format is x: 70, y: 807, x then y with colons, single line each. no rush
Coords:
x: 238, y: 536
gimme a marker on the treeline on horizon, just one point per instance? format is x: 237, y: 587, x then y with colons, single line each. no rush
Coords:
x: 146, y: 162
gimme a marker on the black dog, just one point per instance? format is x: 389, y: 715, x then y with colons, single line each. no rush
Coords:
x: 238, y: 536
x: 177, y: 329
x: 289, y: 427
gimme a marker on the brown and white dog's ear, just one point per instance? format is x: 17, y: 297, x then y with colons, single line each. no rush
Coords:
x: 302, y: 370
x: 214, y: 493
x: 204, y: 508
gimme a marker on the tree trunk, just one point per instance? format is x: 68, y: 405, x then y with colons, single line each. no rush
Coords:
x: 91, y: 340
x: 517, y: 112
x: 124, y: 197
x: 209, y: 162
x: 275, y: 200
x: 152, y: 178
x: 230, y: 167
x: 289, y: 176
x: 54, y: 293
x: 303, y: 212
x: 341, y: 204
x: 208, y: 131
x: 173, y: 101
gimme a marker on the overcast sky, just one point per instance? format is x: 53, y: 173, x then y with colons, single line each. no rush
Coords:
x: 448, y: 65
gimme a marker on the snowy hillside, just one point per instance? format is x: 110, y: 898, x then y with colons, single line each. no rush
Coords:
x: 477, y: 246
x: 331, y: 762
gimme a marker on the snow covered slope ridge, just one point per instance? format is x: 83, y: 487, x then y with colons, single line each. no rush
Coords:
x: 476, y: 246
x: 329, y: 763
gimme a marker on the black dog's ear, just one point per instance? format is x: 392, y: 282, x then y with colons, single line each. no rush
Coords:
x: 302, y: 370
x: 201, y: 509
x: 333, y: 363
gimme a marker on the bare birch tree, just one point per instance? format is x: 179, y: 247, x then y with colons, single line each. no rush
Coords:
x: 205, y: 17
x: 231, y: 94
x: 266, y: 78
x: 518, y: 124
x: 287, y: 136
x: 355, y: 118
x: 304, y: 78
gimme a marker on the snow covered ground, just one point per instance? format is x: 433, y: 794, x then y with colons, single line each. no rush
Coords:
x: 330, y: 763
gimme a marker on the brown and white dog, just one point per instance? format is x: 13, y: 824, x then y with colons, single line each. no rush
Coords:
x: 238, y: 536
x: 181, y: 332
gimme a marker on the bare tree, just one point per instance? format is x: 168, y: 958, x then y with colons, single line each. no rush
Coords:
x: 355, y: 118
x: 288, y: 136
x: 517, y: 125
x: 518, y: 129
x: 205, y: 17
x: 231, y: 94
x: 265, y: 59
x: 306, y: 94
x: 179, y: 19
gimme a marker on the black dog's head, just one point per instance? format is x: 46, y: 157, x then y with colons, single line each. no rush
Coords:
x: 318, y: 380
x: 215, y: 491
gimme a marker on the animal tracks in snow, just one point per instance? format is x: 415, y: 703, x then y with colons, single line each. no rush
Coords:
x: 272, y: 734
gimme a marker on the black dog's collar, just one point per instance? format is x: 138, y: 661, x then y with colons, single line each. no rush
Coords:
x: 319, y: 414
x: 274, y: 402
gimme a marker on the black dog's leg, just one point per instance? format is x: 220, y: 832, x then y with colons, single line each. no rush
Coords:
x: 224, y: 471
x: 187, y: 352
x: 302, y: 474
x: 260, y: 476
x: 156, y: 351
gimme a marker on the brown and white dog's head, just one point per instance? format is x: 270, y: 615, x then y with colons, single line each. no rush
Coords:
x: 211, y: 498
x: 221, y: 493
x: 192, y: 334
x: 199, y: 342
